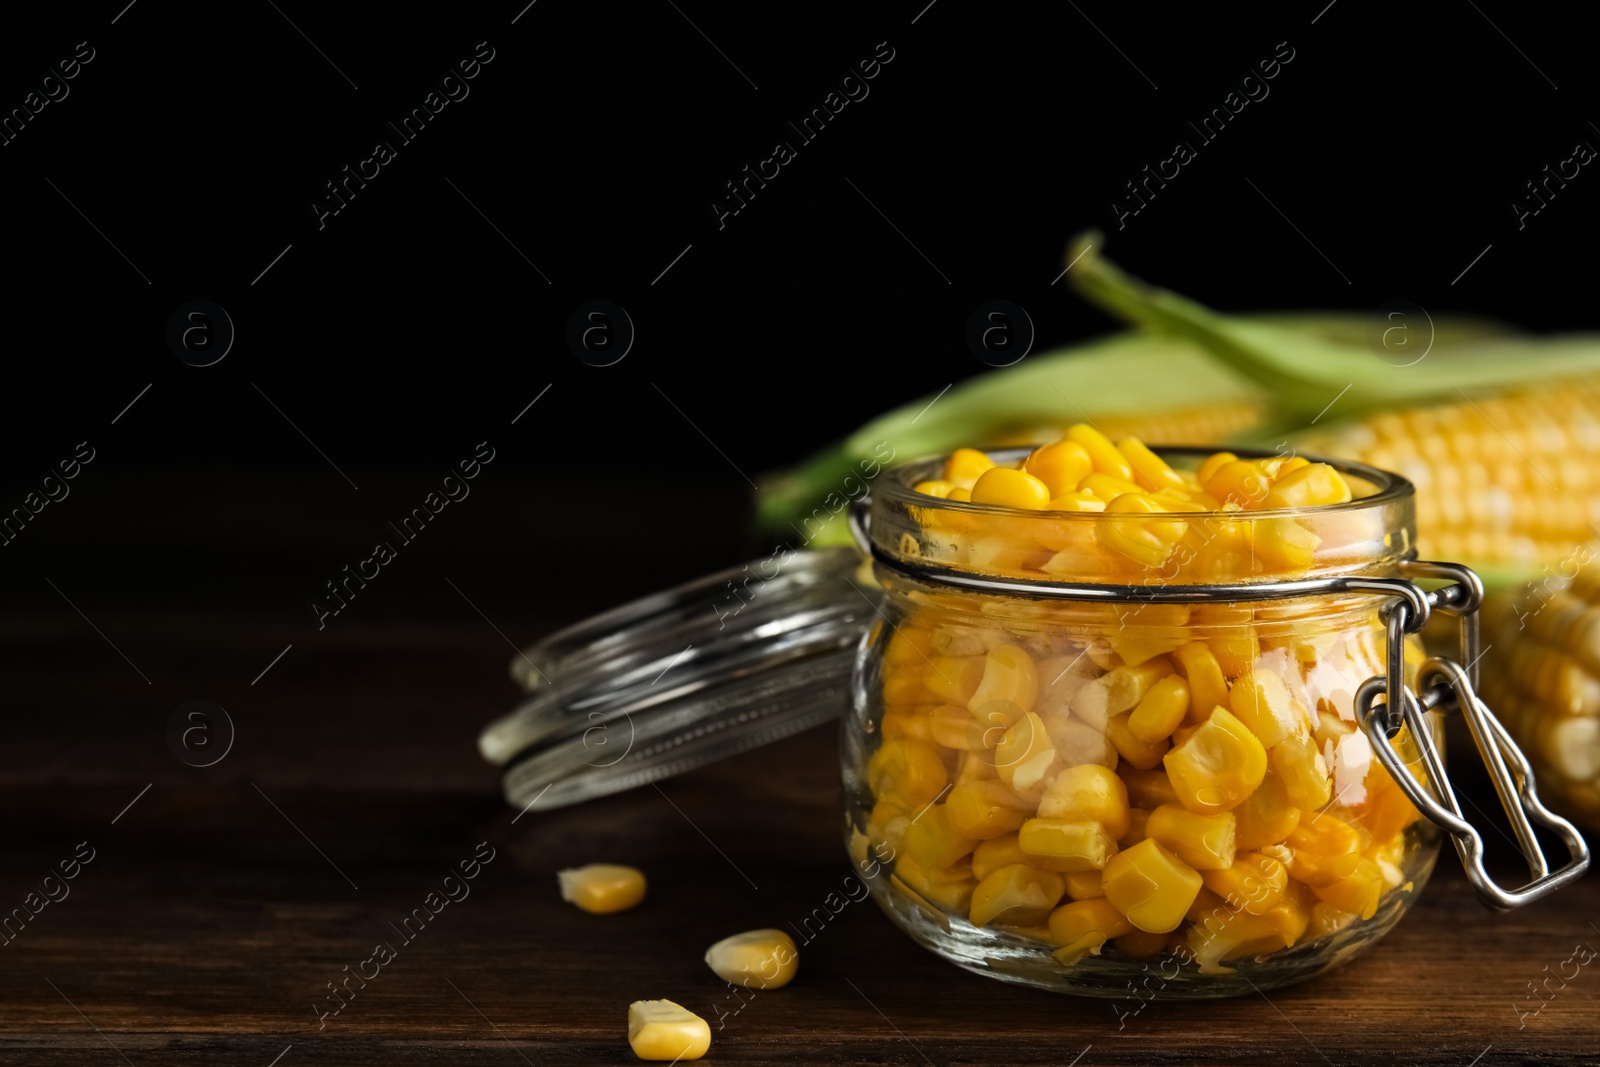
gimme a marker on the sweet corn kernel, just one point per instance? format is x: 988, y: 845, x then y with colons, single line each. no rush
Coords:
x: 1254, y: 883
x: 1078, y: 743
x: 1010, y: 488
x: 995, y: 853
x: 936, y: 487
x: 1211, y: 464
x: 1149, y: 469
x: 1083, y: 926
x: 1117, y: 691
x: 1025, y: 754
x: 1261, y: 701
x: 1018, y: 895
x: 887, y: 822
x: 1008, y: 674
x: 1310, y: 485
x: 757, y: 959
x: 946, y: 888
x: 902, y: 687
x: 1218, y: 766
x: 1106, y: 488
x: 601, y: 888
x: 909, y: 646
x: 1357, y: 892
x: 1236, y: 653
x: 1088, y: 792
x: 1161, y: 711
x: 1070, y: 844
x: 1142, y: 539
x: 909, y: 772
x: 1141, y: 754
x: 953, y: 678
x: 954, y: 727
x: 1104, y: 454
x: 982, y: 810
x: 1077, y: 502
x: 1266, y: 816
x: 1141, y: 945
x: 1290, y: 465
x: 1061, y: 466
x: 1207, y: 686
x: 1241, y: 482
x: 964, y: 467
x: 1326, y: 850
x: 1204, y: 842
x: 974, y: 767
x: 1231, y: 935
x: 933, y: 842
x: 662, y: 1030
x: 1085, y: 885
x: 960, y: 493
x: 907, y: 721
x: 1151, y: 886
x: 1304, y: 772
x: 1283, y: 544
x: 1327, y: 919
x: 1148, y: 789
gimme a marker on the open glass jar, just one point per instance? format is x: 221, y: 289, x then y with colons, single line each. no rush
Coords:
x: 1078, y: 748
x: 1085, y: 747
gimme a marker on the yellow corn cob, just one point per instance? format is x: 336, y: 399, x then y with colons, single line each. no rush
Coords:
x: 1541, y: 676
x: 1510, y: 481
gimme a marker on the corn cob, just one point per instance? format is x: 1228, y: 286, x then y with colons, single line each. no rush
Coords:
x: 1541, y: 676
x: 1502, y: 466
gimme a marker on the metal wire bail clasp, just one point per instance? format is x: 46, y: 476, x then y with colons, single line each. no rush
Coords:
x: 1446, y: 685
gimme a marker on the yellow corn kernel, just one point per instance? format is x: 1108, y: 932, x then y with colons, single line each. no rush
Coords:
x: 1073, y: 501
x: 601, y: 888
x: 1255, y: 883
x: 662, y: 1030
x: 1231, y: 935
x: 995, y: 853
x: 1262, y: 702
x: 936, y: 487
x: 1071, y: 844
x: 1140, y: 945
x: 1357, y: 892
x: 974, y: 767
x: 1088, y: 792
x: 1025, y: 755
x: 907, y: 721
x: 1161, y: 710
x: 1218, y: 766
x: 1017, y: 895
x: 1139, y: 537
x: 909, y: 772
x: 1204, y: 842
x: 1104, y: 454
x: 1390, y: 810
x: 1148, y: 789
x: 1211, y: 464
x: 952, y: 678
x: 982, y: 810
x: 1327, y: 919
x: 1105, y: 488
x: 1305, y: 775
x: 1240, y: 482
x: 1207, y: 686
x: 887, y: 822
x: 1283, y: 544
x: 756, y: 959
x: 1311, y: 485
x: 1008, y: 488
x: 1085, y: 885
x: 954, y: 727
x: 960, y: 493
x: 1061, y: 466
x: 932, y: 841
x: 1289, y: 466
x: 1149, y: 469
x: 944, y: 888
x: 1141, y: 754
x: 964, y: 467
x: 1083, y: 926
x: 1150, y: 886
x: 1266, y: 816
x: 1236, y: 653
x: 1078, y: 743
x: 909, y: 647
x: 1008, y: 674
x: 902, y: 685
x: 1326, y: 850
x: 1117, y: 691
x: 1137, y: 819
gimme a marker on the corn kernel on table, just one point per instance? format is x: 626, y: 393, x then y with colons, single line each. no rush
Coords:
x: 211, y: 909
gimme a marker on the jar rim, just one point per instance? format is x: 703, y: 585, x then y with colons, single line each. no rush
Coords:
x: 897, y: 490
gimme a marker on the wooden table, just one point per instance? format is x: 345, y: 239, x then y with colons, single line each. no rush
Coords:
x: 220, y: 901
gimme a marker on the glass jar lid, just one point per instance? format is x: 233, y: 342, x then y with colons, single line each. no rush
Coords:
x: 684, y: 677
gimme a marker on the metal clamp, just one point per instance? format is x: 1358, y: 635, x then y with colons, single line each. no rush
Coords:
x: 1448, y: 685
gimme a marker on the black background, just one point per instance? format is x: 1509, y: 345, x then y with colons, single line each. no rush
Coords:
x: 409, y: 328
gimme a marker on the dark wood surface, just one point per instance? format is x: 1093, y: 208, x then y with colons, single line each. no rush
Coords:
x: 220, y: 903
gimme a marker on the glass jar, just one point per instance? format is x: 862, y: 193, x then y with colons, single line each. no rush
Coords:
x: 1085, y: 748
x: 1078, y: 749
